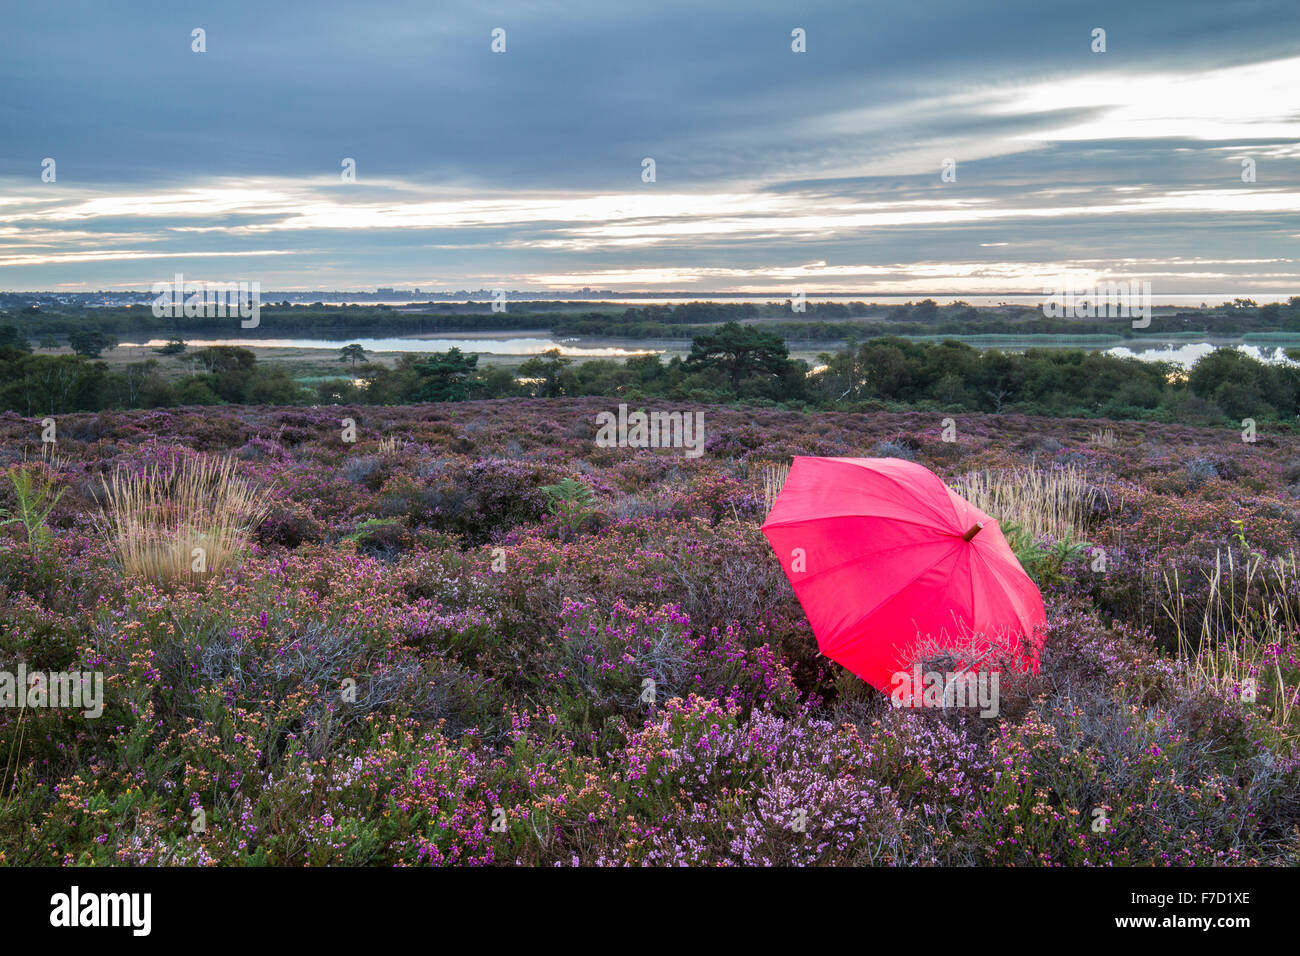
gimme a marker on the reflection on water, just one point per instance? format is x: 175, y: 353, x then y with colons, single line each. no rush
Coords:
x: 1186, y: 353
x: 481, y: 346
x: 1189, y: 353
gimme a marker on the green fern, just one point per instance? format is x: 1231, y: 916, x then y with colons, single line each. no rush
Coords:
x: 571, y: 501
x: 1044, y: 563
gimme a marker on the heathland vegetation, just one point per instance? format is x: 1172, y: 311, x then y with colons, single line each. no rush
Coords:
x: 432, y: 619
x: 434, y: 644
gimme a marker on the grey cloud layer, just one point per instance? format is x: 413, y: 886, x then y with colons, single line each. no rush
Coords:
x: 856, y: 125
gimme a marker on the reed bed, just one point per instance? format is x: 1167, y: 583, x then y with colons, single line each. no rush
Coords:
x: 1040, y: 502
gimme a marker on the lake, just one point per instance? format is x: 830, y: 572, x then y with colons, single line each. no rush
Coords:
x: 1182, y: 352
x: 482, y: 345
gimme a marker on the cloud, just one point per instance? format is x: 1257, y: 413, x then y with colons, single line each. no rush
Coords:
x: 525, y: 168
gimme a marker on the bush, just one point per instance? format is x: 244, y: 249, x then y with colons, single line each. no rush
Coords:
x: 488, y: 498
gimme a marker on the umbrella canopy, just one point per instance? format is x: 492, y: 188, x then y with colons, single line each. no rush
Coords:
x: 882, y: 554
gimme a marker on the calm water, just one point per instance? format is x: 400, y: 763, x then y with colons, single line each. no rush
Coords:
x: 482, y: 346
x: 1183, y: 353
x: 1188, y: 353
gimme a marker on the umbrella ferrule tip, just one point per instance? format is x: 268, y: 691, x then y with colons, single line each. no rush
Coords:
x: 975, y: 529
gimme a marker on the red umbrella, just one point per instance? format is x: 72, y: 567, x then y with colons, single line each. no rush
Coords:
x: 882, y: 554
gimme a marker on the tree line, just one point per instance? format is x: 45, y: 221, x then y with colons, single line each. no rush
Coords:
x: 726, y: 363
x: 818, y: 322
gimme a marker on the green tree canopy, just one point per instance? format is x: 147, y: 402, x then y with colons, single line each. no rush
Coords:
x: 90, y: 342
x: 10, y: 336
x: 445, y: 376
x: 740, y: 351
x: 548, y: 367
x: 353, y: 353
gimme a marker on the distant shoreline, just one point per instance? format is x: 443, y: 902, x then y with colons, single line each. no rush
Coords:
x: 1182, y: 300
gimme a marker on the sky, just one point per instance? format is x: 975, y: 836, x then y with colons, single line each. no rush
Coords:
x: 774, y: 170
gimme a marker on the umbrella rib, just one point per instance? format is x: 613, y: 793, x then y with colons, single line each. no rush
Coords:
x: 947, y: 581
x: 889, y: 597
x: 1006, y: 586
x: 911, y: 493
x: 973, y: 615
x: 790, y: 522
x: 907, y: 546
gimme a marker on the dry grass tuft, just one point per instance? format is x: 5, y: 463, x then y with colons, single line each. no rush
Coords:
x: 1038, y: 502
x: 774, y: 476
x: 1103, y: 439
x: 1244, y: 642
x: 183, y: 523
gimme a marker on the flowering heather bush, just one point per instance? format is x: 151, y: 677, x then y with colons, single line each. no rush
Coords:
x: 1108, y: 783
x: 417, y: 663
